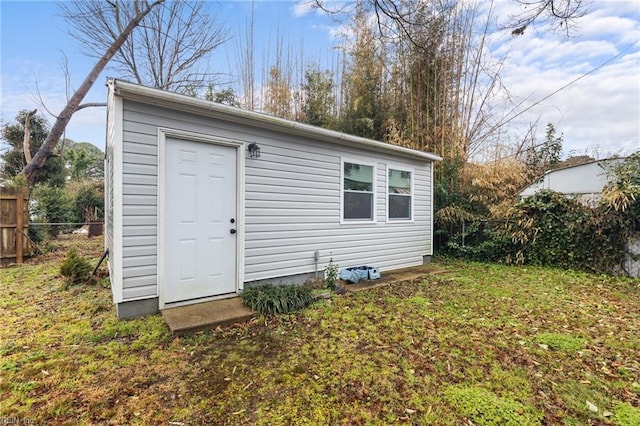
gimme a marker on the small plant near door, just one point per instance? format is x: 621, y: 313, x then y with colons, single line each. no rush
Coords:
x: 269, y: 300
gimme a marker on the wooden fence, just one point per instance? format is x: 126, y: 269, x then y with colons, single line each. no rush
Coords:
x: 14, y: 225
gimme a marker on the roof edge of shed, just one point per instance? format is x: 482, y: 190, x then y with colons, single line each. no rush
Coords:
x: 164, y: 98
x: 540, y: 179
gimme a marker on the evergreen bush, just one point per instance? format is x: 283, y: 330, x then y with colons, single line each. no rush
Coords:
x: 552, y: 229
x: 480, y: 241
x: 88, y: 199
x: 75, y: 269
x: 51, y: 204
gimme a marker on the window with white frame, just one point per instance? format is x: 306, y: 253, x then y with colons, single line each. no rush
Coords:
x: 358, y: 192
x: 400, y: 194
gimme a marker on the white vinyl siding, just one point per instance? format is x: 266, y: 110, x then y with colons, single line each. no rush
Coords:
x: 582, y: 180
x: 113, y: 194
x: 292, y: 202
x: 399, y: 194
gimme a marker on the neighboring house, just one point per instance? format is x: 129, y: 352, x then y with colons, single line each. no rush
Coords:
x: 193, y: 215
x: 586, y: 182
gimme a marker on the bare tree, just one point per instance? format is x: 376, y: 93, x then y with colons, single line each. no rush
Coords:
x: 167, y: 51
x: 394, y: 18
x: 141, y: 8
x: 245, y: 62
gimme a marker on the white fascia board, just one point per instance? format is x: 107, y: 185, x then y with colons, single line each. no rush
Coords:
x: 172, y: 100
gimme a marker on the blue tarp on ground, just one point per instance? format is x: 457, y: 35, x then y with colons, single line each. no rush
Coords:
x: 357, y: 273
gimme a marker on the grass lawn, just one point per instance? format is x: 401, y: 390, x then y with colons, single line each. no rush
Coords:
x: 477, y: 344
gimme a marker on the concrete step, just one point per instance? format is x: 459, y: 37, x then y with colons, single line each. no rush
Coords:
x: 206, y: 315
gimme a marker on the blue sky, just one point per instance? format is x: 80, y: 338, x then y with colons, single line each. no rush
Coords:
x: 600, y: 114
x: 36, y: 55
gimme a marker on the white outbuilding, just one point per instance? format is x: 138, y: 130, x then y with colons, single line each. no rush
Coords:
x: 203, y: 199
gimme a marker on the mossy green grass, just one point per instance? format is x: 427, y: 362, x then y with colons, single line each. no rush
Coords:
x: 476, y: 343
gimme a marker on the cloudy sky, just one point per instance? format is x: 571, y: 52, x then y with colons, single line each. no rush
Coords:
x: 598, y: 114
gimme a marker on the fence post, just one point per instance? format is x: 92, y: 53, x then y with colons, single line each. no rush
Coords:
x: 19, y: 226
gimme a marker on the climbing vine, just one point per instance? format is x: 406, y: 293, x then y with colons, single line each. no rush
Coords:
x: 553, y: 229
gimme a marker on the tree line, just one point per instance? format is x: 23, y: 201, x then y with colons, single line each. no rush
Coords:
x: 427, y: 88
x: 414, y: 74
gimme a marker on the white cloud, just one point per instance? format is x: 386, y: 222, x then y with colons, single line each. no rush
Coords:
x: 600, y: 110
x: 599, y: 25
x: 618, y: 7
x: 342, y: 32
x: 303, y: 8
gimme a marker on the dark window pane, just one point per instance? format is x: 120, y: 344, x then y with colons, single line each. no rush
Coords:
x: 399, y: 207
x: 358, y: 205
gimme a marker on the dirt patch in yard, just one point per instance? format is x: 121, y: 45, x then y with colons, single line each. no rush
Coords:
x: 57, y: 248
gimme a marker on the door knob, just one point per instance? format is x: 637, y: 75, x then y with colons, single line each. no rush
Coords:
x: 233, y: 231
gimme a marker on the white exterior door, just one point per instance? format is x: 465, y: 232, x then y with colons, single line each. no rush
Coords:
x: 200, y: 220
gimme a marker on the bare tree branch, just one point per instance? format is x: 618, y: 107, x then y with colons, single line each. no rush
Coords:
x: 40, y: 100
x: 558, y: 14
x: 47, y: 149
x: 26, y: 140
x: 91, y: 105
x: 166, y: 52
x: 64, y: 64
x: 393, y: 17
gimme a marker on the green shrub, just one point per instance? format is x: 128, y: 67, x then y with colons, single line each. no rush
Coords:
x: 67, y: 204
x: 50, y: 204
x: 39, y: 233
x: 486, y: 408
x: 480, y: 241
x: 551, y: 229
x: 271, y: 300
x: 75, y: 268
x: 546, y: 228
x: 89, y: 199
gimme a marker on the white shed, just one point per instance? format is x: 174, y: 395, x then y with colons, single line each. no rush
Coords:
x: 584, y: 181
x: 192, y: 215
